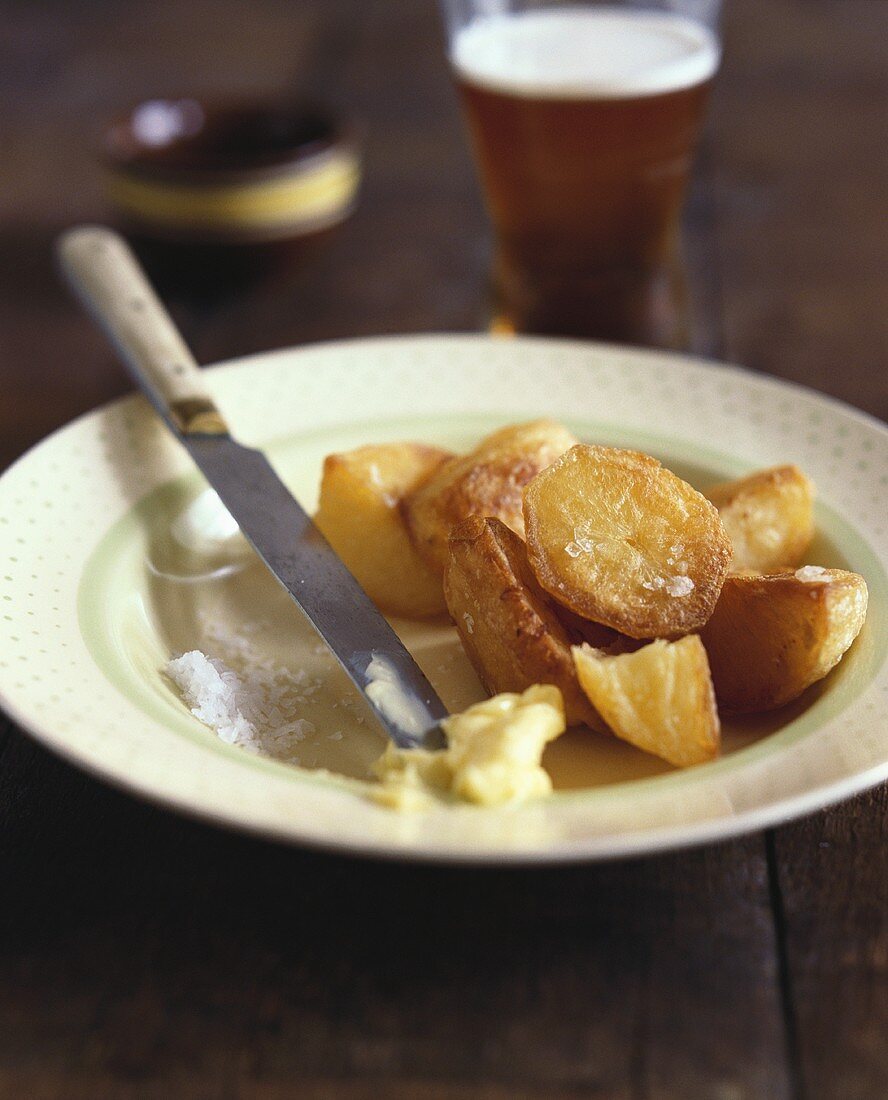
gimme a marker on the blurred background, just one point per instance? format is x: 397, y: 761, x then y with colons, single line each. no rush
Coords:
x: 785, y: 222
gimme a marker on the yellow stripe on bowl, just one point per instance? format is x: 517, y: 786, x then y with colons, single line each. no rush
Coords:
x: 314, y: 196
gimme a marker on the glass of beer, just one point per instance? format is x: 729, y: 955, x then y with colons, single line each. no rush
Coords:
x: 584, y: 119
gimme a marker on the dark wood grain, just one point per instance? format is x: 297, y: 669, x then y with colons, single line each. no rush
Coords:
x: 801, y: 170
x: 834, y: 884
x: 800, y: 177
x: 145, y: 955
x: 141, y: 952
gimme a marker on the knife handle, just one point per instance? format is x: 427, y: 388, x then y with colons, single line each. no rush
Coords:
x: 106, y: 276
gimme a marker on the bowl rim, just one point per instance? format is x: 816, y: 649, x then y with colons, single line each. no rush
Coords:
x: 611, y: 363
x: 341, y: 140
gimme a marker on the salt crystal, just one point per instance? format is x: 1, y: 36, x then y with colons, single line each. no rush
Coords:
x: 574, y: 549
x: 257, y: 704
x: 810, y: 574
x: 211, y: 691
x: 469, y: 621
x: 680, y: 586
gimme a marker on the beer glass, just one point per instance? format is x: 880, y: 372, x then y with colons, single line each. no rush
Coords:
x: 584, y: 119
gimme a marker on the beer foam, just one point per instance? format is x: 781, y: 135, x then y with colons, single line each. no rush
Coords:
x: 584, y: 52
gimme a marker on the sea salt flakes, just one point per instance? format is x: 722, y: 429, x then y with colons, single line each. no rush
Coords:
x: 680, y: 586
x: 255, y: 711
x: 810, y: 574
x: 675, y: 559
x: 212, y: 692
x: 243, y: 696
x: 580, y: 545
x: 674, y: 586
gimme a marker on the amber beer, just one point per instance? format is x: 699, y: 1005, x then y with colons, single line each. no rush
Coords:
x: 584, y: 122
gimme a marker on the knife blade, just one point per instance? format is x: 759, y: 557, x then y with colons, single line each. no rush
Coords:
x: 108, y: 280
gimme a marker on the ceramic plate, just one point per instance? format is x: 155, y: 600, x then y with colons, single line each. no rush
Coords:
x: 99, y: 587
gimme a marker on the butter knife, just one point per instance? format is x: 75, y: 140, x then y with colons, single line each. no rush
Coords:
x: 106, y: 277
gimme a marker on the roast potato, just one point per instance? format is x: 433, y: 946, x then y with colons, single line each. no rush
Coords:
x: 658, y: 698
x: 510, y: 632
x: 488, y: 481
x: 773, y: 635
x: 584, y: 630
x: 359, y: 512
x: 769, y: 517
x: 618, y: 539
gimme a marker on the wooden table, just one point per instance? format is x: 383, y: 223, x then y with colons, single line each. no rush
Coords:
x: 143, y: 955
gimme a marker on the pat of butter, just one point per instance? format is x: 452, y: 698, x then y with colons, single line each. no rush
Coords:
x: 493, y: 755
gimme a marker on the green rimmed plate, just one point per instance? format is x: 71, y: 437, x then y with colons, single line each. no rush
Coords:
x: 95, y: 594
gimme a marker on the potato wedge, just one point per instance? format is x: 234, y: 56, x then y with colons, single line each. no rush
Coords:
x: 620, y: 540
x: 508, y: 629
x: 584, y: 630
x: 658, y: 698
x: 769, y: 517
x: 488, y: 481
x: 771, y: 636
x: 359, y: 513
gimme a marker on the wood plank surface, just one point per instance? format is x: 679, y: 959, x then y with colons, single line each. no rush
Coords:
x: 800, y: 181
x: 145, y: 955
x: 833, y: 872
x: 800, y: 159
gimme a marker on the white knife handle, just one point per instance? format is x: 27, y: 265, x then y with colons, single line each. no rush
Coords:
x: 107, y: 278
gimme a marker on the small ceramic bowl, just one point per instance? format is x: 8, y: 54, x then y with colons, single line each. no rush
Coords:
x: 218, y: 173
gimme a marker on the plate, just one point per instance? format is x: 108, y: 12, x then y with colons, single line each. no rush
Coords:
x: 96, y: 594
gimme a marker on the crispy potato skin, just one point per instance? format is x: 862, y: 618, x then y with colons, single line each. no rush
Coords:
x: 509, y: 631
x: 583, y: 630
x: 658, y: 698
x: 769, y: 517
x: 359, y: 513
x: 612, y: 535
x: 488, y: 481
x: 772, y: 636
